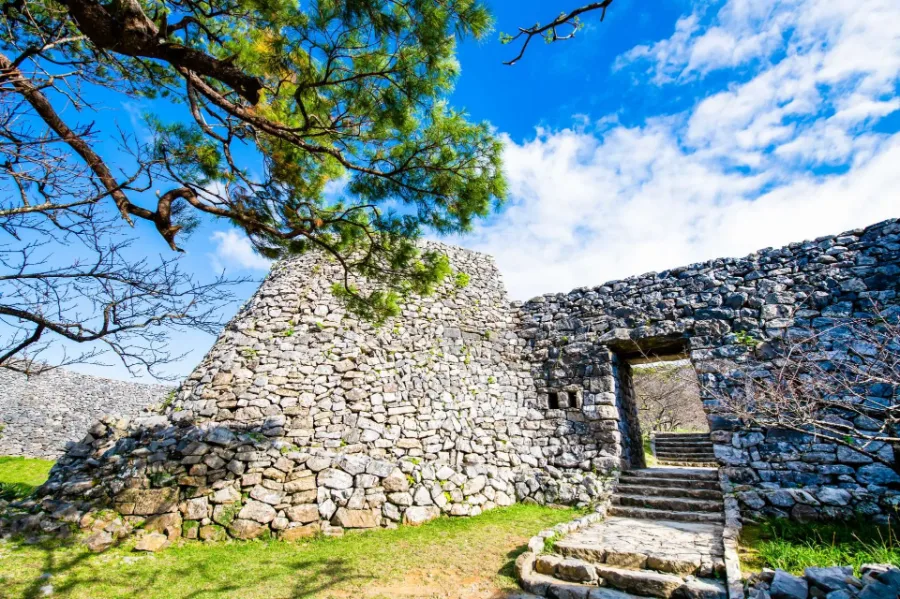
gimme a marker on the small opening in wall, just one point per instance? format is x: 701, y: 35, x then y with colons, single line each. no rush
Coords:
x: 553, y: 400
x: 573, y: 398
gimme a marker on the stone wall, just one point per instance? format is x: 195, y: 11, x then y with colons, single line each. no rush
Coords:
x: 39, y: 415
x: 699, y: 310
x: 303, y: 418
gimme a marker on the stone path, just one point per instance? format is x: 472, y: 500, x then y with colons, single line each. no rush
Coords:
x: 664, y: 545
x: 662, y: 538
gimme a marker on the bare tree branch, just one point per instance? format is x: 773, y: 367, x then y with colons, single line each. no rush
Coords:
x: 551, y: 31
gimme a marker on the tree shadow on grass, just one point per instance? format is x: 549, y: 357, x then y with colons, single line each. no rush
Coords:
x: 319, y: 576
x: 68, y: 572
x: 509, y: 568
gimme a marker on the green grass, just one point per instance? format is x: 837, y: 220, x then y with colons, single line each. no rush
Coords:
x: 20, y: 476
x: 649, y: 458
x: 793, y: 546
x: 462, y: 558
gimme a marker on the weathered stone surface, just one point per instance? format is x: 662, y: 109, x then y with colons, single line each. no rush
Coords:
x: 395, y: 482
x: 147, y: 502
x: 258, y: 512
x: 99, y: 541
x: 788, y: 586
x: 640, y: 582
x: 546, y: 564
x: 575, y: 570
x: 334, y: 479
x: 151, y: 542
x: 303, y: 513
x: 701, y: 589
x: 170, y: 524
x: 356, y: 518
x: 300, y: 532
x: 416, y: 515
x: 211, y: 532
x: 833, y: 578
x: 195, y: 509
x: 247, y: 529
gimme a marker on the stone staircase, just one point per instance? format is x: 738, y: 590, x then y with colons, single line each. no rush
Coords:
x: 662, y: 538
x: 679, y: 494
x: 684, y: 449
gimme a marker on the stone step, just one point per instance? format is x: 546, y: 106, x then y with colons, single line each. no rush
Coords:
x: 683, y: 436
x: 681, y: 473
x: 653, y: 514
x: 675, y: 504
x: 669, y: 483
x: 678, y: 447
x: 685, y: 455
x: 549, y: 586
x: 685, y: 444
x: 605, y: 556
x: 683, y: 461
x: 650, y: 583
x: 693, y: 493
x: 684, y: 441
x: 676, y: 462
x: 684, y: 452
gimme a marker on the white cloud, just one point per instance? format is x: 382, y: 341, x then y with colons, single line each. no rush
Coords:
x: 234, y: 250
x: 787, y: 154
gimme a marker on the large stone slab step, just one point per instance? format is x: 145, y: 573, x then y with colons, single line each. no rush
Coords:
x: 700, y: 453
x: 640, y: 489
x: 684, y: 442
x: 651, y: 583
x: 677, y: 504
x: 673, y: 462
x: 656, y: 514
x: 682, y: 473
x: 687, y: 459
x: 669, y: 483
x: 660, y: 446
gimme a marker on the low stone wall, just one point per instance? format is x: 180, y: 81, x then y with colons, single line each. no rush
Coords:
x: 39, y: 415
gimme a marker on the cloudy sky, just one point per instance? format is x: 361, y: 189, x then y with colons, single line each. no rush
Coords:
x: 672, y: 134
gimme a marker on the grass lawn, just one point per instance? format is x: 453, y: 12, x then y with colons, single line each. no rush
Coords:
x: 20, y: 476
x: 459, y: 558
x: 793, y: 546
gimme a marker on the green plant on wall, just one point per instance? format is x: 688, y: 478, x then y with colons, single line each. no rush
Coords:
x: 746, y: 339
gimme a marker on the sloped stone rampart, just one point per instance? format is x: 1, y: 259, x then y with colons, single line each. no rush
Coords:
x: 303, y: 418
x: 40, y: 414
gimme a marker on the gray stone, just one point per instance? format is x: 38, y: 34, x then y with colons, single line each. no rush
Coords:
x: 829, y: 579
x: 788, y: 586
x: 575, y: 570
x: 878, y: 590
x: 641, y: 582
x: 334, y: 479
x: 258, y: 512
x: 356, y: 518
x: 416, y: 515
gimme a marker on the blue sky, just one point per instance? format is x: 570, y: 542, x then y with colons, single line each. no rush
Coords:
x: 671, y: 133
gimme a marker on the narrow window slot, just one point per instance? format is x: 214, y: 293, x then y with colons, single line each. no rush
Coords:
x: 553, y: 400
